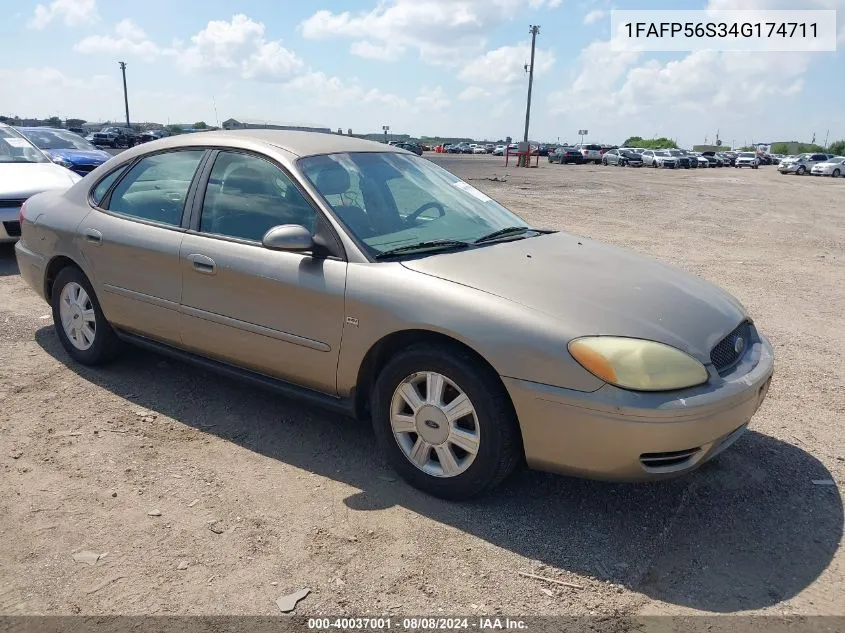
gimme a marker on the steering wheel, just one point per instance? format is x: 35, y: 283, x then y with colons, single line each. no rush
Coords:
x: 428, y: 205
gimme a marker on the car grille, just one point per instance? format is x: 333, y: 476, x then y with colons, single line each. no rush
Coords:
x: 725, y: 354
x: 13, y: 228
x: 684, y: 162
x: 12, y: 204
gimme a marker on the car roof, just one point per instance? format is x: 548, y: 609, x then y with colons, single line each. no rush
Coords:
x: 296, y: 142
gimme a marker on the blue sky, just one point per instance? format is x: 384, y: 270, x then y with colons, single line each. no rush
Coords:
x: 449, y: 67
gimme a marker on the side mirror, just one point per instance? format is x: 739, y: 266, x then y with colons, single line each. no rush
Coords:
x: 288, y: 237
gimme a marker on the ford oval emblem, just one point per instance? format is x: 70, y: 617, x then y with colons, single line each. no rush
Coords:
x: 739, y: 345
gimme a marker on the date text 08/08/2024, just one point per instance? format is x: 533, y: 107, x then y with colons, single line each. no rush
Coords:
x: 417, y: 624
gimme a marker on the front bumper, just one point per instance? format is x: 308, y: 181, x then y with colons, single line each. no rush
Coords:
x: 789, y: 169
x: 621, y: 435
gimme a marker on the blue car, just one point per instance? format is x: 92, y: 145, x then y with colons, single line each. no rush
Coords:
x: 66, y: 148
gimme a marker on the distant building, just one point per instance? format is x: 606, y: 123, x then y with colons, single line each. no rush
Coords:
x: 263, y: 124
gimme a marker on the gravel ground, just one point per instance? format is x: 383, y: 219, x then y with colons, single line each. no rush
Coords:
x: 205, y: 496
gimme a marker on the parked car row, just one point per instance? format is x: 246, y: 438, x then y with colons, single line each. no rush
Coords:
x: 828, y: 165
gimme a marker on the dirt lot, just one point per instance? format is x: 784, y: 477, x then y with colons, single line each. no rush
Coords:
x: 300, y: 498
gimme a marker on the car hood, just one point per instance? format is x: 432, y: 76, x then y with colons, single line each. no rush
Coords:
x: 21, y: 180
x: 79, y: 156
x: 594, y: 288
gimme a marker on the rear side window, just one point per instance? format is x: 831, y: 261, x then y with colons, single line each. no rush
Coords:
x: 103, y: 186
x: 156, y: 187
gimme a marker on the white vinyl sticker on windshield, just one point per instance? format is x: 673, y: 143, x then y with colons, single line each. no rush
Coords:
x: 16, y: 142
x: 475, y: 193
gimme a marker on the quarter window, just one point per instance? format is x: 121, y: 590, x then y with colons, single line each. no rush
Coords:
x: 156, y: 187
x: 246, y: 196
x: 103, y: 186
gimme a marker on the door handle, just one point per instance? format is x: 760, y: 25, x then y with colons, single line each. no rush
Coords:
x: 93, y: 236
x: 203, y: 264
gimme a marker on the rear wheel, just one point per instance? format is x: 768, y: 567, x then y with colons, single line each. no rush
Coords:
x: 80, y: 324
x: 801, y: 170
x: 445, y: 422
x: 836, y: 173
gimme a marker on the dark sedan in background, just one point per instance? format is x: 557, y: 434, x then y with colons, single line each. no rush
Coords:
x: 152, y: 135
x: 563, y: 155
x: 66, y: 148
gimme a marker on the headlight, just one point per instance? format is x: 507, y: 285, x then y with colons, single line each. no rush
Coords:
x: 636, y: 364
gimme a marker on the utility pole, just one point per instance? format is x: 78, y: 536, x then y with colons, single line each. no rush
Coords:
x: 125, y: 95
x: 534, y: 30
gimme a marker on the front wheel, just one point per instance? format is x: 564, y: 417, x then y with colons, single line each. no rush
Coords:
x: 80, y: 324
x: 444, y: 421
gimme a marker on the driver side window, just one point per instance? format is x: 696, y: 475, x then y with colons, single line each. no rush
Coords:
x: 246, y: 196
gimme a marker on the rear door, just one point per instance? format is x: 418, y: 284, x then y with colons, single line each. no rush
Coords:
x: 275, y: 312
x: 131, y: 241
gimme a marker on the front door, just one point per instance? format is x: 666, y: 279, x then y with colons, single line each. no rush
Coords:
x: 131, y: 243
x: 274, y: 312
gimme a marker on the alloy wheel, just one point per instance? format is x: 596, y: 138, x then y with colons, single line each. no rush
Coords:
x: 77, y: 316
x: 435, y: 424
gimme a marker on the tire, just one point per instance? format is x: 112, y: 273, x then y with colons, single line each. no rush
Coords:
x: 604, y: 162
x: 836, y: 173
x: 801, y: 170
x: 499, y: 446
x: 105, y: 345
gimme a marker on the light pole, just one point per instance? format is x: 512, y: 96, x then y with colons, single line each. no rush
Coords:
x: 534, y: 30
x: 125, y: 94
x: 386, y: 129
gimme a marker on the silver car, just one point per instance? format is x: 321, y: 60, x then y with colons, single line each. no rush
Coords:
x: 802, y: 164
x: 369, y: 280
x: 24, y: 170
x: 831, y: 167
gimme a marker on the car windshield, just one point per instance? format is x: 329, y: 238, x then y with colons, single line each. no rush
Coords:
x: 748, y: 155
x: 661, y: 153
x: 58, y: 139
x: 15, y: 148
x: 390, y: 200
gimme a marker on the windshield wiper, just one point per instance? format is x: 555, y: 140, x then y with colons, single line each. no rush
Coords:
x: 423, y: 246
x: 508, y: 231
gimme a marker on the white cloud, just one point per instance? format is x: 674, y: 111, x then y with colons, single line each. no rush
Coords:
x: 432, y: 99
x: 73, y: 12
x: 239, y: 46
x: 472, y: 93
x: 506, y: 65
x: 128, y: 38
x: 594, y: 16
x: 368, y: 50
x: 333, y: 92
x: 440, y: 30
x: 38, y: 90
